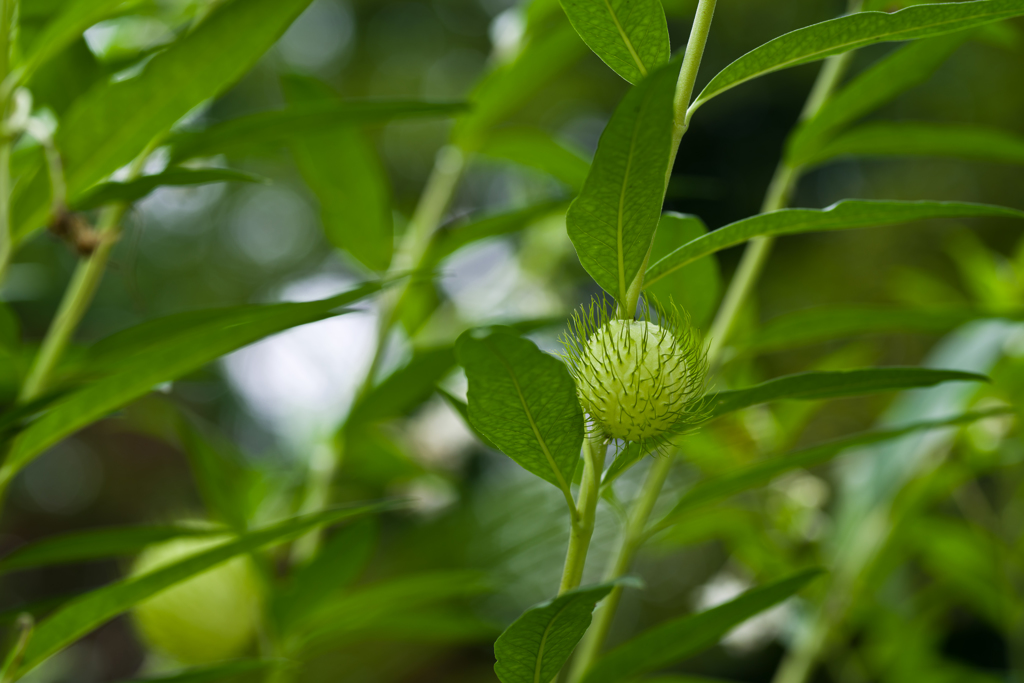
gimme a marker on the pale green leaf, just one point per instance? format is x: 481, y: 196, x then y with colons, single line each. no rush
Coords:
x: 524, y: 401
x: 157, y: 352
x: 844, y: 215
x: 696, y: 287
x: 343, y: 170
x: 625, y: 459
x: 854, y: 31
x: 134, y: 190
x: 683, y: 637
x: 535, y: 647
x: 972, y: 143
x: 630, y: 36
x: 83, y: 614
x: 405, y: 388
x: 814, y: 386
x: 451, y: 238
x: 905, y: 68
x: 537, y: 149
x: 613, y: 220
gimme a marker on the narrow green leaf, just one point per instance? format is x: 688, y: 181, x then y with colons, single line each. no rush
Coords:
x: 536, y: 148
x: 524, y: 401
x: 854, y: 31
x: 94, y: 544
x: 630, y: 36
x: 814, y: 386
x: 82, y: 615
x: 535, y: 647
x: 214, y: 673
x: 65, y: 28
x: 154, y: 359
x: 134, y: 190
x: 405, y: 388
x: 112, y: 123
x: 814, y: 325
x: 718, y: 488
x: 342, y: 169
x: 684, y: 637
x: 696, y: 287
x: 279, y: 126
x: 613, y: 220
x: 224, y: 481
x: 844, y: 215
x: 462, y: 408
x: 628, y: 457
x: 924, y: 140
x: 451, y: 238
x: 905, y: 68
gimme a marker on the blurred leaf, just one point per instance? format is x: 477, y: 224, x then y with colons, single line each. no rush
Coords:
x: 431, y: 625
x: 901, y: 70
x: 714, y: 489
x: 115, y: 121
x: 132, y: 191
x: 339, y: 562
x: 682, y: 638
x: 160, y: 351
x: 342, y: 169
x: 277, y: 127
x: 214, y: 673
x: 510, y: 85
x: 925, y: 140
x: 82, y: 615
x: 535, y: 647
x: 853, y: 31
x: 405, y: 388
x: 536, y: 148
x: 628, y: 457
x: 844, y: 215
x: 630, y: 36
x: 64, y: 29
x: 94, y: 544
x: 463, y: 409
x: 524, y: 401
x: 65, y: 77
x: 221, y: 476
x: 696, y: 287
x: 453, y: 237
x: 612, y: 222
x: 812, y: 386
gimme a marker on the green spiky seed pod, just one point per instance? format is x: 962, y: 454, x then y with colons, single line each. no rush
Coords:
x: 211, y: 617
x: 638, y: 380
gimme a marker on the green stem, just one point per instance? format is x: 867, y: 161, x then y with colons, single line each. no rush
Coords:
x: 582, y: 529
x: 73, y: 306
x: 6, y: 235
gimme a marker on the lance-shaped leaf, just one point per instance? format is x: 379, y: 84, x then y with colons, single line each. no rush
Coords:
x: 613, y: 220
x: 535, y: 647
x: 854, y: 31
x: 134, y: 190
x: 813, y: 386
x: 684, y: 637
x: 82, y: 615
x: 696, y: 287
x: 844, y: 215
x: 524, y: 401
x: 905, y: 68
x: 148, y: 360
x: 536, y: 148
x: 450, y: 238
x: 67, y: 26
x: 973, y: 143
x: 717, y: 488
x: 630, y: 36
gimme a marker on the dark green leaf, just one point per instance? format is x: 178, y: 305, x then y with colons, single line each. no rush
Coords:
x: 717, y: 488
x: 134, y: 190
x: 925, y: 140
x: 905, y: 68
x: 630, y: 36
x: 82, y: 615
x: 214, y: 673
x: 696, y: 287
x: 160, y: 351
x: 537, y: 149
x: 524, y: 401
x: 844, y: 215
x: 94, y: 544
x: 405, y: 388
x: 535, y: 647
x: 813, y: 386
x: 222, y: 478
x: 277, y: 127
x: 451, y: 238
x: 112, y: 123
x: 463, y: 409
x: 854, y: 31
x: 613, y: 220
x: 342, y: 169
x: 64, y: 29
x: 684, y: 637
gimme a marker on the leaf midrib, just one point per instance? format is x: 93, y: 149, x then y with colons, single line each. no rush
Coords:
x: 626, y: 40
x: 543, y: 642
